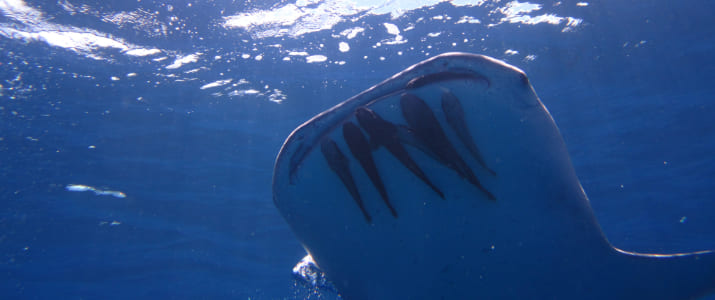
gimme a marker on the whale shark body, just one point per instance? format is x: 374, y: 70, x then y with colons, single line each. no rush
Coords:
x: 450, y: 180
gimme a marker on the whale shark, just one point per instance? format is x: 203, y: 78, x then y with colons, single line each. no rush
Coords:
x: 451, y: 180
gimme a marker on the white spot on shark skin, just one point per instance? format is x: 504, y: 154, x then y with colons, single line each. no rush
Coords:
x: 494, y: 235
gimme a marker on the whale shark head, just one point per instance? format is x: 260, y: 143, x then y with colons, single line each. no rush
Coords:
x: 451, y: 180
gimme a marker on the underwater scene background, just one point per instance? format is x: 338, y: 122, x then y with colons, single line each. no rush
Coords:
x: 137, y: 138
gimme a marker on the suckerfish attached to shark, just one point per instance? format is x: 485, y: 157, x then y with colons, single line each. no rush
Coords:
x: 385, y: 134
x: 454, y: 113
x: 339, y: 164
x: 360, y: 148
x: 422, y: 120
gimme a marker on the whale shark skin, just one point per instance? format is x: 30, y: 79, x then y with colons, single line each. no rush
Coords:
x: 519, y: 227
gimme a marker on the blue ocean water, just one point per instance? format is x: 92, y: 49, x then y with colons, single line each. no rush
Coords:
x: 137, y: 138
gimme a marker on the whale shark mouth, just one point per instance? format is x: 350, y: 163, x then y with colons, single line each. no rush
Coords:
x: 451, y: 177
